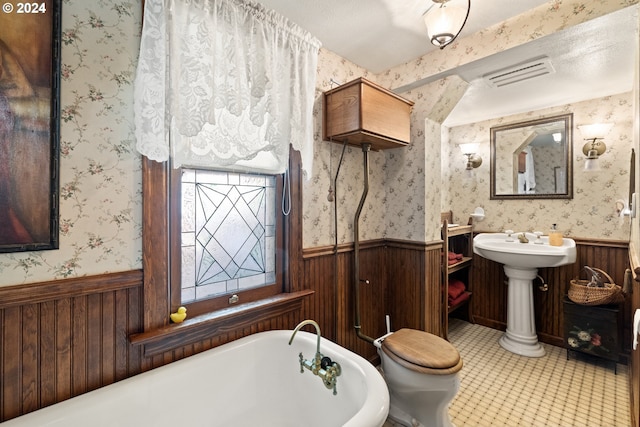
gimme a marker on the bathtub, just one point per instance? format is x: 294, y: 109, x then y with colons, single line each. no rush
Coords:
x: 253, y: 381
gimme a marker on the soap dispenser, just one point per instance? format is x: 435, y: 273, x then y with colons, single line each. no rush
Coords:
x: 555, y: 237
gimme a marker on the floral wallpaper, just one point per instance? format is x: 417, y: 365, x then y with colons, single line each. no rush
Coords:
x: 100, y: 179
x: 318, y: 216
x: 590, y: 214
x: 416, y: 172
x: 553, y: 16
x: 100, y: 182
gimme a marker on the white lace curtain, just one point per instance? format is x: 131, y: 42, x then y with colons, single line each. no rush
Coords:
x: 225, y: 84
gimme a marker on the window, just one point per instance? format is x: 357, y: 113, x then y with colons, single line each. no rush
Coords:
x: 226, y: 238
x: 161, y: 261
x: 162, y: 197
x: 228, y: 233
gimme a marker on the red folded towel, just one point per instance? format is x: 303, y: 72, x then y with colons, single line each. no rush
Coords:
x: 454, y: 256
x: 456, y: 288
x: 462, y: 297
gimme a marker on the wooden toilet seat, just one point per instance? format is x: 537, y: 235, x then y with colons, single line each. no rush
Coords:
x: 422, y: 352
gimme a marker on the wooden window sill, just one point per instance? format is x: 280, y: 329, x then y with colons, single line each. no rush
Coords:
x: 207, y: 325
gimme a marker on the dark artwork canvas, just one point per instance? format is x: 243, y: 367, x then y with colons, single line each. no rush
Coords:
x: 29, y: 125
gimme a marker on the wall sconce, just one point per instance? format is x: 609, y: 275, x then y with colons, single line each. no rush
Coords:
x: 595, y: 147
x: 445, y: 22
x: 557, y: 137
x: 473, y: 159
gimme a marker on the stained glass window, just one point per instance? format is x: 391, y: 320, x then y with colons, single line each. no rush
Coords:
x: 228, y: 232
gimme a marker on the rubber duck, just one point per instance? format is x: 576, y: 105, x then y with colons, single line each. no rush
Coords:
x: 179, y: 316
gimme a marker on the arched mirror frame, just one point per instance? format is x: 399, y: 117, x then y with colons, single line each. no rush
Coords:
x: 567, y: 161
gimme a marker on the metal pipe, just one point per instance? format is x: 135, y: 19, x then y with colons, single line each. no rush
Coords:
x: 335, y: 232
x: 307, y: 322
x: 543, y: 286
x: 366, y: 148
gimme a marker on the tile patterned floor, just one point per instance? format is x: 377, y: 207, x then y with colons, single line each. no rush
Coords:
x: 499, y: 388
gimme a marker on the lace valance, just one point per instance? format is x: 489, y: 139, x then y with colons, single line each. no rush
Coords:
x: 225, y: 84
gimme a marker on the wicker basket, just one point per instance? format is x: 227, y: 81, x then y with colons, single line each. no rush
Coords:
x: 582, y: 294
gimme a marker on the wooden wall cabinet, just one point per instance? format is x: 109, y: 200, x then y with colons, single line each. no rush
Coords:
x: 457, y: 239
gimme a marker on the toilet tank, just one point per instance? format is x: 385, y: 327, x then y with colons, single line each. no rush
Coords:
x: 361, y: 111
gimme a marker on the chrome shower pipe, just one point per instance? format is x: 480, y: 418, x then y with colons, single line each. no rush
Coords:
x: 366, y: 148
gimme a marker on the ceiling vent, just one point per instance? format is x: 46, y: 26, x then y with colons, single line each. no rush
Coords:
x: 520, y: 72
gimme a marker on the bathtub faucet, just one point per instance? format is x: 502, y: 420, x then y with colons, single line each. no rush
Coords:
x: 320, y: 365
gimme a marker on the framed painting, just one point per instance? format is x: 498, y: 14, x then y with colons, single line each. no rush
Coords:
x: 29, y: 125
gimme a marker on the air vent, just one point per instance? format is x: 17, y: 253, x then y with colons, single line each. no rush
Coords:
x: 520, y: 72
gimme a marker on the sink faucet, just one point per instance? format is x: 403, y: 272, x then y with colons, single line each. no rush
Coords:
x: 320, y: 365
x: 509, y: 237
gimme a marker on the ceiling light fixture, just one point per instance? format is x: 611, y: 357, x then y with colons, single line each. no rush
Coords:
x: 444, y: 22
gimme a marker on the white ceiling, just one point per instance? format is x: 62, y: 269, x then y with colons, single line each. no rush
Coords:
x: 591, y: 60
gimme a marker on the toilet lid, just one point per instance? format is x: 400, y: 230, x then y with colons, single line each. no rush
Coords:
x: 423, y: 352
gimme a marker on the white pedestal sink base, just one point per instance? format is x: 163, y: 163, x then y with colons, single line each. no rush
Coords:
x: 521, y: 262
x: 520, y: 337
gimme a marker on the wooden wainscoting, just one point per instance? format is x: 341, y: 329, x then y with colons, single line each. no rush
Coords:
x: 415, y: 290
x: 330, y: 274
x: 63, y: 338
x: 66, y: 337
x: 490, y: 290
x: 400, y: 274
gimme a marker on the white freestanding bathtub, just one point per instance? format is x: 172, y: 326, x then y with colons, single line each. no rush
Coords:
x: 254, y: 381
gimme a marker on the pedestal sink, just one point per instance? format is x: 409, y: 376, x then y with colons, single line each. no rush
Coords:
x: 521, y: 262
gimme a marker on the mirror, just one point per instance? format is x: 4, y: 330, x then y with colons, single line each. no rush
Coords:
x: 533, y: 159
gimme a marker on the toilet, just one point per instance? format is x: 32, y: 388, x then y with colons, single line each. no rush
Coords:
x: 421, y: 371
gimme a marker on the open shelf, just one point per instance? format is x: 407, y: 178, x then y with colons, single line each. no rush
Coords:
x: 458, y: 239
x: 464, y: 263
x: 452, y: 308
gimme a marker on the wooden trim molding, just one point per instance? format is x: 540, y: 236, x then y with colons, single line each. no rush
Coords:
x: 411, y: 244
x: 309, y: 253
x: 634, y: 261
x: 35, y: 293
x: 155, y: 185
x: 222, y: 321
x: 602, y: 243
